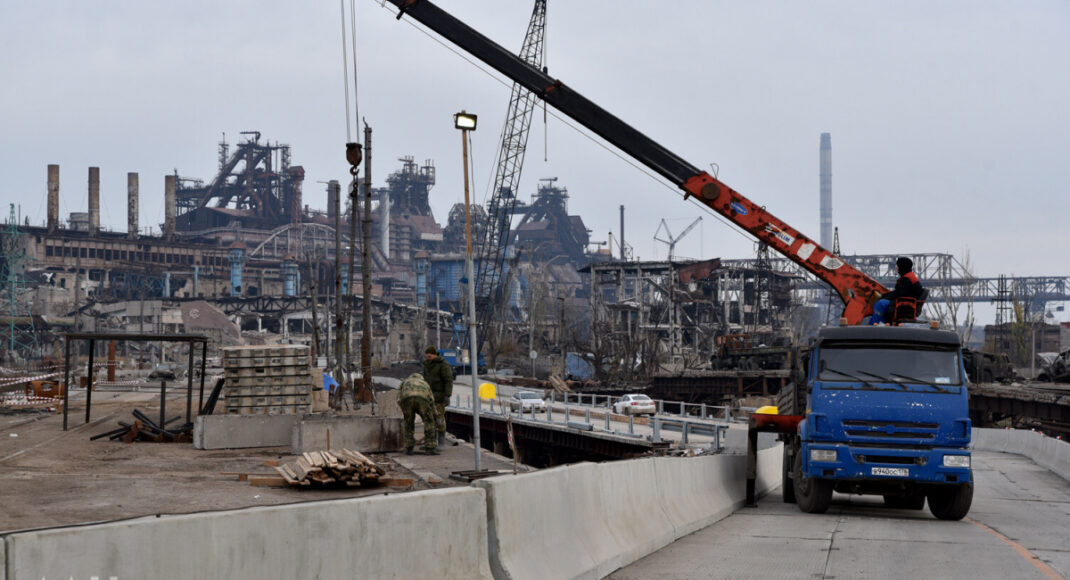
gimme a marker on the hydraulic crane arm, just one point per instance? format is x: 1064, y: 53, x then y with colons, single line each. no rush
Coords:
x: 857, y: 290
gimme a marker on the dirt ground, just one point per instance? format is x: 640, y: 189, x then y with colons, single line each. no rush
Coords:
x: 53, y: 478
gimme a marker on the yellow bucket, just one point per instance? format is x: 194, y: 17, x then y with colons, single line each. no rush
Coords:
x: 488, y: 391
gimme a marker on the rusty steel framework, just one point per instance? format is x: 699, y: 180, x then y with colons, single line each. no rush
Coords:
x: 947, y: 278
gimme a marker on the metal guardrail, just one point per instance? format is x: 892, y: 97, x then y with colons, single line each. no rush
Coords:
x: 687, y: 428
x: 679, y: 408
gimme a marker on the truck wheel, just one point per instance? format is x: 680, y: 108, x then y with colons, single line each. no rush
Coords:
x: 812, y: 494
x: 951, y: 502
x: 787, y: 486
x: 907, y: 502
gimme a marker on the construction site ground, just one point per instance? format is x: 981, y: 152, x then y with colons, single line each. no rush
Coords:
x: 52, y: 477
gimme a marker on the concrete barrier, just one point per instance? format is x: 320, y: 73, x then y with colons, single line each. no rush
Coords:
x: 592, y: 519
x: 697, y: 492
x: 432, y: 534
x: 1053, y: 454
x: 242, y: 431
x: 365, y: 434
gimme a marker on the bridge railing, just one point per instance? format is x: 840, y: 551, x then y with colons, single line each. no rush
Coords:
x: 581, y: 419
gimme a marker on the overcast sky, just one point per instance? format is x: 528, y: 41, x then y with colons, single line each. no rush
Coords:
x: 950, y: 120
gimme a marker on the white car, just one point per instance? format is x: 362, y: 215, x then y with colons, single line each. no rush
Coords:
x: 635, y: 405
x: 526, y: 401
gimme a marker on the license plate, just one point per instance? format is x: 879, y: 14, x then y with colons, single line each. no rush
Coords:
x: 892, y: 471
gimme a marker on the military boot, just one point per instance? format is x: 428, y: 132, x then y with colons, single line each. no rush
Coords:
x: 408, y: 451
x: 432, y: 451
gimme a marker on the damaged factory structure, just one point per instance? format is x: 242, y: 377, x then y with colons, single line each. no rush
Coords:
x: 242, y: 259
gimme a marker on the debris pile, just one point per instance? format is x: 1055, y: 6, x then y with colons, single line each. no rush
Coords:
x: 145, y: 429
x: 338, y: 467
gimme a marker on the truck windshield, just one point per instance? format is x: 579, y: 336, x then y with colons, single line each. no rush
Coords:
x: 914, y: 364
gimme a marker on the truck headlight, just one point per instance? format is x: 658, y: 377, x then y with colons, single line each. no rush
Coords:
x: 822, y: 455
x: 957, y: 461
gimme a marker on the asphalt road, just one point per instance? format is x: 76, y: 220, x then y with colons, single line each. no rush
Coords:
x: 1018, y: 527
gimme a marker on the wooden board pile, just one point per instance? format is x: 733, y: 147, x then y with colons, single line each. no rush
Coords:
x: 267, y: 380
x: 339, y: 467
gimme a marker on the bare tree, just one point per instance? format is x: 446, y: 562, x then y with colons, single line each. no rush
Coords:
x: 951, y: 300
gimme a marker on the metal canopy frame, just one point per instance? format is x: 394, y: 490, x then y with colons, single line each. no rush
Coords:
x: 92, y: 337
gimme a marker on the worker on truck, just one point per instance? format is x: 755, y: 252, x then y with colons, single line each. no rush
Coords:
x: 903, y: 302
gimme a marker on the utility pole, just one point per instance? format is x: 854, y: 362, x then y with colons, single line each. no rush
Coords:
x: 561, y: 340
x: 339, y: 320
x: 438, y: 321
x: 366, y: 274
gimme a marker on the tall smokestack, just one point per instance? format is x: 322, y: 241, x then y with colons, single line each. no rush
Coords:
x: 169, y: 206
x: 622, y: 257
x: 94, y: 201
x: 131, y: 205
x: 53, y: 198
x: 826, y: 191
x: 333, y: 191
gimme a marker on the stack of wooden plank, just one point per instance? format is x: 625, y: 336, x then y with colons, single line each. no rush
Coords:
x: 271, y: 379
x: 338, y: 467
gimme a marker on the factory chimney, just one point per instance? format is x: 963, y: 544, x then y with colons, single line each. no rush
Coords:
x: 53, y: 198
x: 169, y: 207
x: 333, y: 191
x: 131, y: 206
x: 826, y: 191
x: 94, y: 201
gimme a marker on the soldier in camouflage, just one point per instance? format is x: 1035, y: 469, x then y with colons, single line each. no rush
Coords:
x: 415, y: 398
x: 439, y: 376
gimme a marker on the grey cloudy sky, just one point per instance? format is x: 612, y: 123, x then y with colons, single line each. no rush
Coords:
x: 949, y: 120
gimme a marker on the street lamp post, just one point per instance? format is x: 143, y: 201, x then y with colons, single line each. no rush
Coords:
x: 466, y: 122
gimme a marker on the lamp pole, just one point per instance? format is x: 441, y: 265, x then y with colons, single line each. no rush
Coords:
x: 466, y: 123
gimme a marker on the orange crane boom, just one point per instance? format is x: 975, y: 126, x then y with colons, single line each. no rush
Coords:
x: 857, y: 290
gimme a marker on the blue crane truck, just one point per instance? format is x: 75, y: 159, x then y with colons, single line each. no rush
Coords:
x: 874, y: 409
x: 882, y: 410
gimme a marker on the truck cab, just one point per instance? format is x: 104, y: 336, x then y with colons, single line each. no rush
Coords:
x: 884, y: 411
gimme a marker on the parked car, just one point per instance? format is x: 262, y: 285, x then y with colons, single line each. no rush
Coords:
x: 635, y: 405
x: 526, y: 401
x: 163, y: 371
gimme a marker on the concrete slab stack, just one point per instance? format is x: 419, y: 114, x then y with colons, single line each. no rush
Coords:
x: 267, y: 380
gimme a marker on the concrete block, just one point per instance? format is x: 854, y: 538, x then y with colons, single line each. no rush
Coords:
x: 243, y: 431
x: 431, y: 534
x: 365, y: 434
x: 1050, y: 453
x: 596, y: 518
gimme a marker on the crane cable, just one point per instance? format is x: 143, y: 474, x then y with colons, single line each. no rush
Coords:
x: 582, y: 131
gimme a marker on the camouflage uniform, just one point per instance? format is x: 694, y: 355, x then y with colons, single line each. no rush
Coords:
x: 439, y: 376
x: 415, y: 398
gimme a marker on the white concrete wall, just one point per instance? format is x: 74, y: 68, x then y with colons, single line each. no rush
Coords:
x: 1048, y: 452
x: 578, y: 521
x: 586, y: 520
x: 431, y: 534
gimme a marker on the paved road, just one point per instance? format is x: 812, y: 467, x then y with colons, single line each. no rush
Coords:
x: 1018, y: 528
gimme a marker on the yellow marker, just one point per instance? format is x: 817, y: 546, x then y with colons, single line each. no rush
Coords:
x: 766, y: 410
